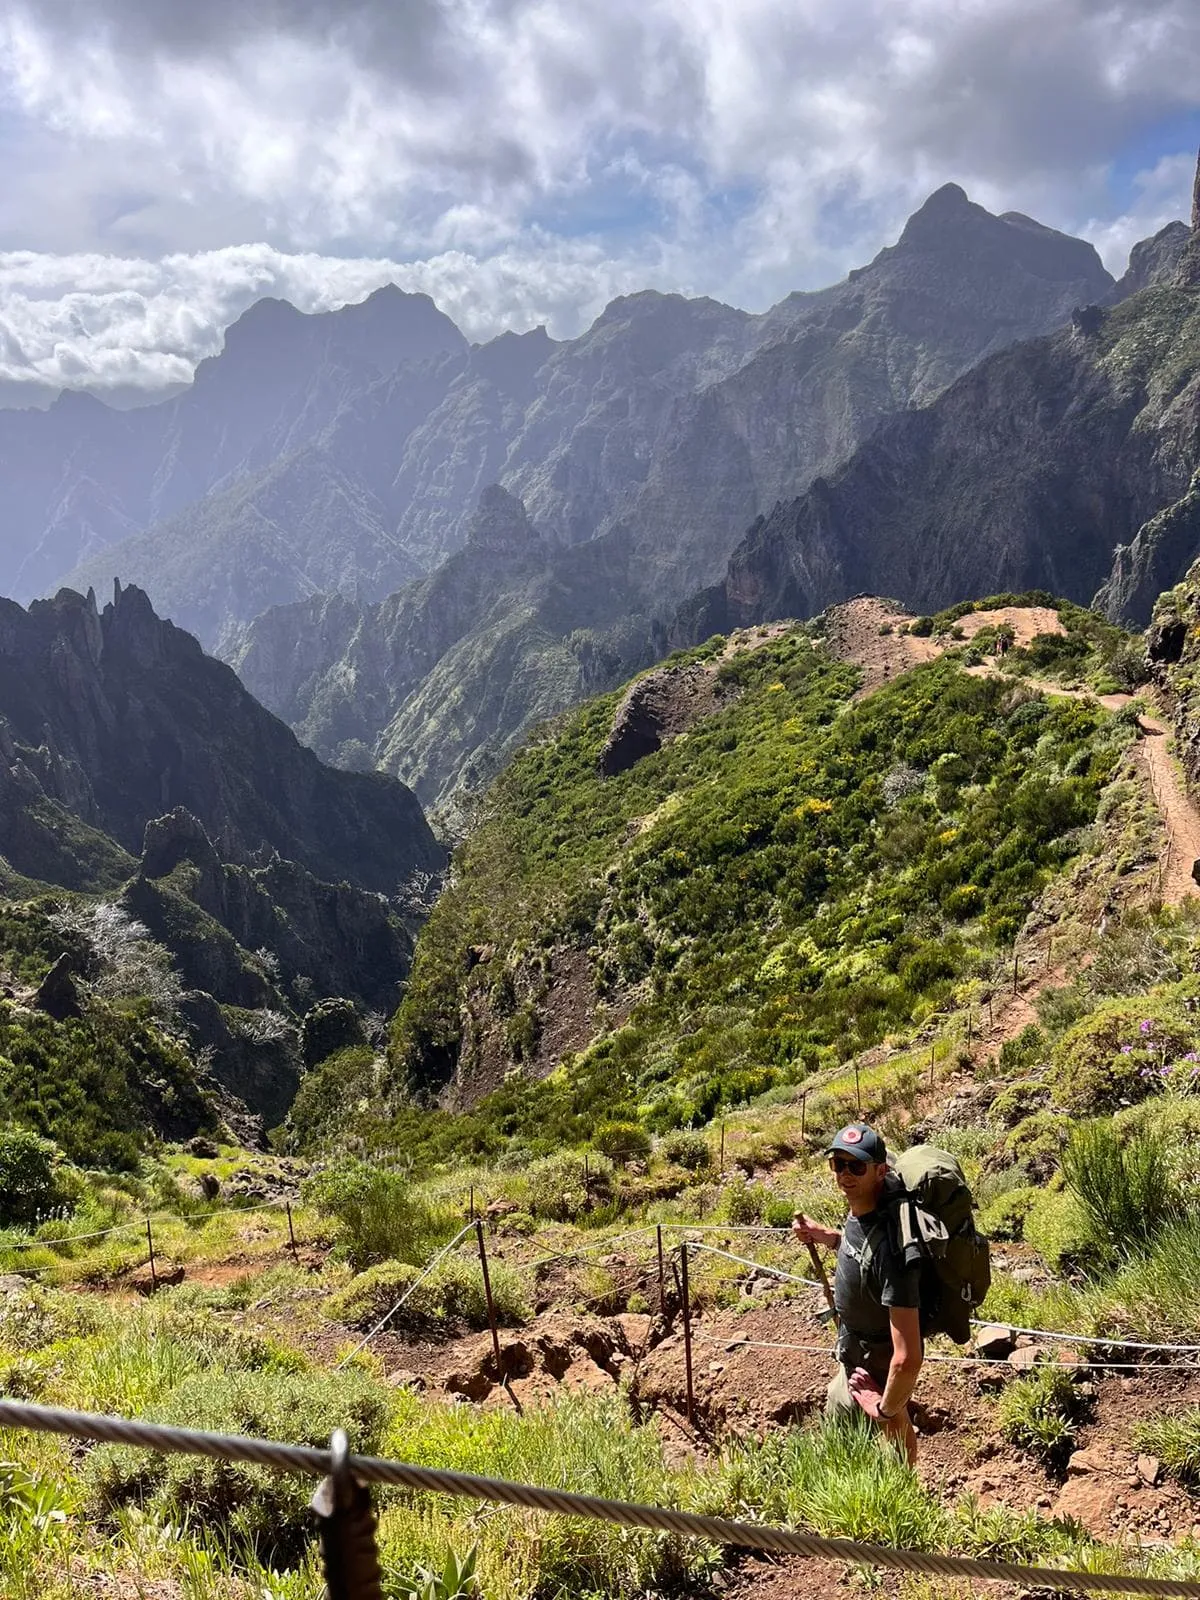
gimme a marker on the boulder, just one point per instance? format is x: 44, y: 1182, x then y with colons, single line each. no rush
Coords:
x: 635, y: 1329
x: 1094, y: 1459
x: 1025, y: 1358
x: 57, y: 994
x: 403, y: 1379
x: 470, y: 1385
x: 165, y: 1275
x: 994, y: 1342
x: 1149, y: 1470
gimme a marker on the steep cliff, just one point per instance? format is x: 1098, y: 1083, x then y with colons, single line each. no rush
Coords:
x: 1029, y: 472
x: 119, y: 716
x: 437, y: 682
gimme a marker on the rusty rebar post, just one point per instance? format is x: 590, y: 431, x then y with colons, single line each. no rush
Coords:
x: 491, y: 1305
x: 685, y: 1297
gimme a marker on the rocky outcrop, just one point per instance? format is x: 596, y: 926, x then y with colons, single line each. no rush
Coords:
x: 1187, y: 274
x: 1173, y: 657
x: 117, y: 717
x: 326, y: 939
x: 1154, y: 261
x: 255, y: 1061
x: 655, y: 709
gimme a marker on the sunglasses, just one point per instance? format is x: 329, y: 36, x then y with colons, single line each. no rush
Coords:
x: 847, y: 1164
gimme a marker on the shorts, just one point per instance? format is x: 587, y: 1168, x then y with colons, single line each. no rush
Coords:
x: 840, y: 1404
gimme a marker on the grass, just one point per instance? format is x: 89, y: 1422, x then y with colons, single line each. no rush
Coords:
x: 1039, y: 1413
x: 221, y: 1533
x: 1175, y: 1440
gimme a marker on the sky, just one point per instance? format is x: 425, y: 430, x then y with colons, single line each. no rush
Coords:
x: 164, y: 163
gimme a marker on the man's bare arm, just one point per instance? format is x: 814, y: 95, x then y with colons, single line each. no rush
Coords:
x: 810, y: 1232
x: 907, y: 1356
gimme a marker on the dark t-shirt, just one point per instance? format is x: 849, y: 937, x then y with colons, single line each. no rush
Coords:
x: 863, y: 1299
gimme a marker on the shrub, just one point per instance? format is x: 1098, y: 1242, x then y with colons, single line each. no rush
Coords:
x: 622, y: 1142
x: 1005, y: 1217
x: 452, y: 1293
x: 29, y: 1187
x: 370, y: 1294
x: 1058, y: 1228
x: 1038, y: 1141
x: 1098, y: 1065
x: 687, y: 1150
x: 331, y: 1026
x: 1125, y: 1188
x: 743, y: 1203
x: 1020, y: 1100
x: 556, y: 1186
x: 264, y: 1509
x: 1038, y: 1413
x: 379, y: 1215
x: 1027, y: 1050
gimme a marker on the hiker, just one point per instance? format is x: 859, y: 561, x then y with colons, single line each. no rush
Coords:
x: 879, y: 1348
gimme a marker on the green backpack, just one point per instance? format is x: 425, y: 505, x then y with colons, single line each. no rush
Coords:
x: 933, y: 1223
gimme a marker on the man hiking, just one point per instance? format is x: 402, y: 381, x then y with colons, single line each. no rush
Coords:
x: 876, y: 1296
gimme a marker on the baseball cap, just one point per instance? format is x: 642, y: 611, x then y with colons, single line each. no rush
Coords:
x: 860, y: 1141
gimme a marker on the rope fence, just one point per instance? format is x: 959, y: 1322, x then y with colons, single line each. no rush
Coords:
x: 429, y: 1480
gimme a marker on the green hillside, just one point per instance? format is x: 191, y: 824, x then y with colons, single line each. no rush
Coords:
x: 797, y: 878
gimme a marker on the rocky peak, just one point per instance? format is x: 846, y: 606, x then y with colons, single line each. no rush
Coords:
x: 1154, y: 260
x: 131, y: 627
x: 501, y: 525
x: 1196, y: 197
x: 177, y: 837
x: 951, y: 224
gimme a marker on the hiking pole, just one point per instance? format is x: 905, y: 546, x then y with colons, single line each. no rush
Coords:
x: 819, y: 1269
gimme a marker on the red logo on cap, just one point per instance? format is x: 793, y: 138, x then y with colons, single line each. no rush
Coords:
x: 852, y: 1135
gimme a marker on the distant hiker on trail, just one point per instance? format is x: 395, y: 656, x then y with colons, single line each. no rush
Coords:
x: 877, y: 1297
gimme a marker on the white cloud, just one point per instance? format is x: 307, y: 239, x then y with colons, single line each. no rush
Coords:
x: 524, y: 159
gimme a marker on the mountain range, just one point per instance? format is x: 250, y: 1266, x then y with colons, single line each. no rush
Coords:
x: 347, y: 451
x: 411, y: 548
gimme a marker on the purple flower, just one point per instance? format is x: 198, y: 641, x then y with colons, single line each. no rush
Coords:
x: 1164, y: 1072
x: 1145, y: 1025
x: 1191, y: 1056
x: 1126, y: 1049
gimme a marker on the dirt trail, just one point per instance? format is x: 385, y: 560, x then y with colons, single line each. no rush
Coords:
x: 866, y: 632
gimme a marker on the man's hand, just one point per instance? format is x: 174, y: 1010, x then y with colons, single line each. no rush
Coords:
x: 810, y: 1232
x: 867, y: 1392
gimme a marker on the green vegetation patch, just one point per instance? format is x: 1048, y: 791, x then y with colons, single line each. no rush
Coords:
x: 791, y: 881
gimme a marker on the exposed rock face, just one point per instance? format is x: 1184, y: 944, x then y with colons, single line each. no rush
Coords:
x: 657, y: 708
x: 1188, y: 272
x: 260, y: 1069
x: 116, y: 717
x: 1155, y: 260
x: 56, y: 994
x: 340, y: 939
x: 1025, y: 474
x: 438, y: 682
x: 1173, y: 656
